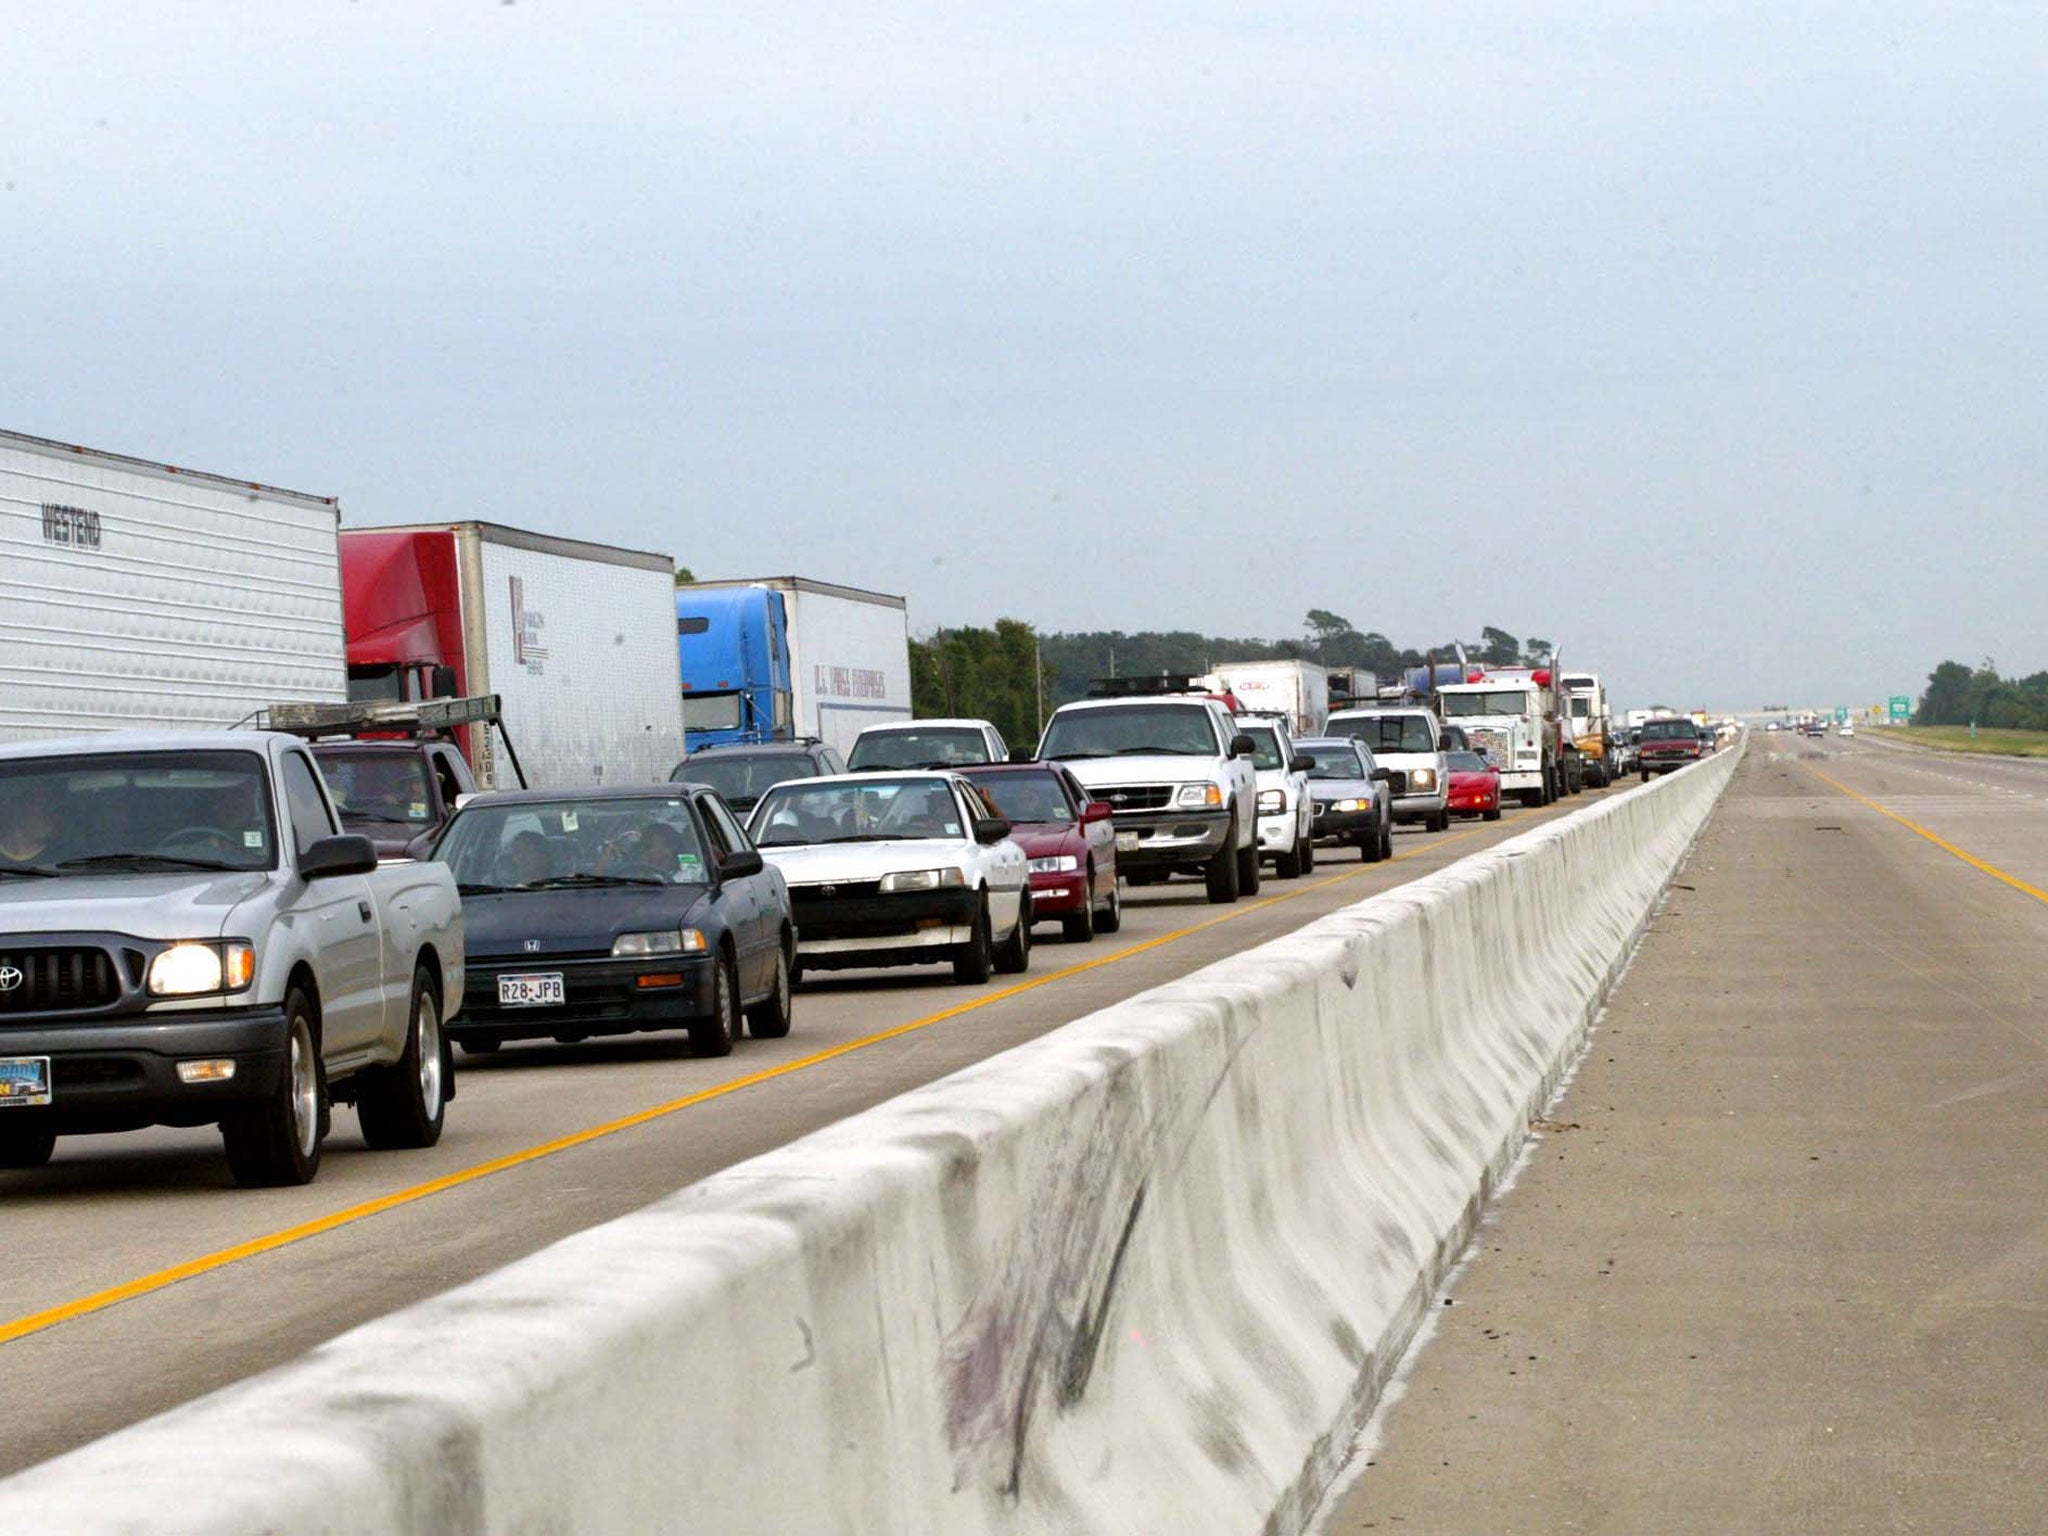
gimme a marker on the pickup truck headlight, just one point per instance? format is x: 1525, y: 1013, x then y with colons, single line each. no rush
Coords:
x: 1198, y: 795
x: 921, y: 880
x: 670, y: 941
x: 1057, y: 864
x: 198, y: 966
x: 1272, y: 802
x: 1422, y: 778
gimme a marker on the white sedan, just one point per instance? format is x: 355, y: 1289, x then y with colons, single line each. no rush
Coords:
x: 889, y: 869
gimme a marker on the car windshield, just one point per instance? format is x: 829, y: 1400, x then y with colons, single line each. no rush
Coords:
x: 1582, y: 708
x: 1468, y: 762
x: 135, y: 811
x: 1388, y: 733
x: 1500, y: 701
x: 742, y: 777
x: 917, y: 747
x: 1265, y: 745
x: 1174, y: 730
x: 539, y: 845
x: 377, y: 786
x: 1334, y: 762
x: 856, y: 811
x: 1027, y: 797
x: 1671, y: 730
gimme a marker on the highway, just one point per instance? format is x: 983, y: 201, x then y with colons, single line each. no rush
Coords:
x: 1775, y: 1260
x: 139, y: 1277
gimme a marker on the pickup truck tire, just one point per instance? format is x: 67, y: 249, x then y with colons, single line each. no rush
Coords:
x: 974, y: 961
x: 1221, y: 873
x: 25, y: 1148
x: 1308, y: 853
x: 1287, y: 866
x: 714, y: 1036
x: 402, y: 1106
x: 1248, y: 870
x: 1013, y: 955
x: 1646, y: 775
x: 276, y: 1141
x: 1440, y: 822
x: 1111, y: 917
x: 770, y: 1018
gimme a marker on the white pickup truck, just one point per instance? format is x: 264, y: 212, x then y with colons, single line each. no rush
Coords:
x: 188, y: 938
x: 1177, y: 773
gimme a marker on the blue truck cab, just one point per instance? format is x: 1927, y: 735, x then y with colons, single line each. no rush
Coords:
x: 733, y: 643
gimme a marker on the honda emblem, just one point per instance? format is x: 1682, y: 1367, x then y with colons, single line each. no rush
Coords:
x: 531, y: 946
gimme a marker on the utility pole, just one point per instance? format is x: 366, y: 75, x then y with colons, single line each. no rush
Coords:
x: 1038, y: 677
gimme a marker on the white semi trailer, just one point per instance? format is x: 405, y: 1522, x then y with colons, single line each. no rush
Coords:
x: 138, y: 595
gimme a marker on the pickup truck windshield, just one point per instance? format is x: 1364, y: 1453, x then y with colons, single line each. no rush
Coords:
x: 1334, y: 763
x: 1671, y: 730
x: 870, y: 811
x: 944, y: 748
x: 742, y: 778
x: 378, y: 786
x: 1173, y: 730
x: 1265, y: 746
x: 561, y: 844
x: 1390, y: 733
x: 1501, y: 702
x: 136, y: 811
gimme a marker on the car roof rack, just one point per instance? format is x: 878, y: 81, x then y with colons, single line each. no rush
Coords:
x: 406, y: 719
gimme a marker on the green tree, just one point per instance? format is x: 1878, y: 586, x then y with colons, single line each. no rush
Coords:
x: 1537, y: 652
x: 1498, y: 648
x: 982, y: 674
x: 684, y: 576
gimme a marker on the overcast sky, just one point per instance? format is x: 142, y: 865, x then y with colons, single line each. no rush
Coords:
x: 1706, y: 340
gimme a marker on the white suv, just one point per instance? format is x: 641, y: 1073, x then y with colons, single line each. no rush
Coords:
x: 1177, y: 773
x: 1286, y: 814
x: 1407, y: 740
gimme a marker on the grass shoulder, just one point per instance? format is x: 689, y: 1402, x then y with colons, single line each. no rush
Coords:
x: 1957, y: 738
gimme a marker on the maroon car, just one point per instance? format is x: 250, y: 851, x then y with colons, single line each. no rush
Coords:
x: 1067, y: 837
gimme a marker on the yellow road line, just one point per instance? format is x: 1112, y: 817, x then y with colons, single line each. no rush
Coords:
x: 1933, y: 837
x: 36, y: 1322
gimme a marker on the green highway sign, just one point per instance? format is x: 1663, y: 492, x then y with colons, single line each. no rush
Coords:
x: 1900, y: 708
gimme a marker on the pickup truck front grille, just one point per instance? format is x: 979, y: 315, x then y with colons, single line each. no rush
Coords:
x: 1137, y: 797
x: 56, y: 980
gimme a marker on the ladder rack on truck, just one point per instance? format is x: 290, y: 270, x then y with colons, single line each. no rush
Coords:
x: 408, y: 719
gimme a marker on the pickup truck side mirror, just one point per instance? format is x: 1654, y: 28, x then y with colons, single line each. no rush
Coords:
x: 1023, y: 754
x: 1242, y: 745
x: 990, y: 829
x: 739, y: 863
x: 1301, y: 763
x: 1383, y: 775
x: 1097, y: 810
x: 349, y: 854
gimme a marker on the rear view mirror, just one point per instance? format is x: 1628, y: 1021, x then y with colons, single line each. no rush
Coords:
x: 1242, y: 745
x: 1302, y: 763
x: 1097, y: 810
x: 741, y: 861
x: 1023, y: 755
x: 990, y: 829
x: 1383, y: 775
x: 349, y: 854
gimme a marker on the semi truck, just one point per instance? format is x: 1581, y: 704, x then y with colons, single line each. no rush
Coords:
x: 1511, y: 717
x: 137, y: 595
x: 786, y: 658
x: 1590, y: 724
x: 574, y: 638
x: 1296, y: 691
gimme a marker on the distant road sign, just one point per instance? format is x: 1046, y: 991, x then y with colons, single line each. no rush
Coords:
x: 1841, y: 714
x: 1900, y: 708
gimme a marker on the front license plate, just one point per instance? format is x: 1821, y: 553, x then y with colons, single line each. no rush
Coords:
x: 1126, y: 841
x: 24, y: 1080
x: 531, y: 991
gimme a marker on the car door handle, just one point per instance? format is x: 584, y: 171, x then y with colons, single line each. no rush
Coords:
x: 363, y: 910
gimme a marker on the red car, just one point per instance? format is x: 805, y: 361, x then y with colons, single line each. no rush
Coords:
x: 1068, y: 838
x: 1475, y: 786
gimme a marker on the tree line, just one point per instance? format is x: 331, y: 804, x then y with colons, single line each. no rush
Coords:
x: 1012, y: 676
x: 1957, y: 695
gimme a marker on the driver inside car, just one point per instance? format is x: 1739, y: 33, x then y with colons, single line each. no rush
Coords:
x: 28, y: 825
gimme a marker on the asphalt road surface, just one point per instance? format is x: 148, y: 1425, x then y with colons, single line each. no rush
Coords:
x: 137, y: 1276
x: 1778, y: 1261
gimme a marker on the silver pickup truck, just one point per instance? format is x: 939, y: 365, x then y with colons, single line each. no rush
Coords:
x: 187, y: 938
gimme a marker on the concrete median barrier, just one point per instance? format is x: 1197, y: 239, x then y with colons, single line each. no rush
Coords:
x: 1147, y: 1273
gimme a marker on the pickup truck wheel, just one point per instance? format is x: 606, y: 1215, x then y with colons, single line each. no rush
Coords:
x: 1288, y: 865
x: 1308, y: 854
x: 1646, y: 775
x: 1080, y: 927
x: 1111, y: 917
x: 1013, y: 955
x: 25, y: 1148
x: 277, y: 1140
x: 714, y: 1036
x: 403, y: 1105
x: 974, y: 961
x: 1248, y: 870
x: 1440, y: 822
x: 1221, y: 873
x: 770, y: 1018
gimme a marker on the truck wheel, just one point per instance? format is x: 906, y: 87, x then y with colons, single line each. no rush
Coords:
x: 404, y: 1104
x: 1646, y: 775
x: 974, y: 961
x: 714, y: 1036
x: 1386, y: 839
x: 1080, y: 927
x: 1111, y: 917
x: 1288, y: 865
x: 1013, y: 955
x: 21, y: 1148
x: 770, y: 1018
x: 1370, y: 846
x: 1308, y: 854
x: 1441, y: 821
x: 1221, y: 873
x: 277, y: 1140
x: 1248, y: 870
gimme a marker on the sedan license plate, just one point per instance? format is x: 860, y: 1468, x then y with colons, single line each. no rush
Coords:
x: 1126, y: 841
x: 531, y: 991
x: 24, y: 1080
